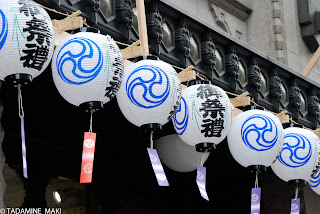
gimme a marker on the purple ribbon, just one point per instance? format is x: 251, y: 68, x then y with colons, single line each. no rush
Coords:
x: 201, y: 181
x: 295, y: 206
x: 157, y: 167
x: 24, y: 151
x: 255, y: 200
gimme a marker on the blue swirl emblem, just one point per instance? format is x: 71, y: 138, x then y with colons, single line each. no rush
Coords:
x: 259, y: 125
x: 181, y: 126
x: 79, y: 75
x: 293, y: 142
x: 147, y: 99
x: 315, y: 180
x: 4, y: 30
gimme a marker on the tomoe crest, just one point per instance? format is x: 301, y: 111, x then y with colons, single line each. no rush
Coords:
x: 136, y: 81
x: 79, y: 75
x: 315, y: 180
x: 254, y: 134
x: 294, y: 142
x: 4, y: 29
x: 181, y: 125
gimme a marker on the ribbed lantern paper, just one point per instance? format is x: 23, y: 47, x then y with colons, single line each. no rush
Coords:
x: 204, y: 115
x: 26, y: 38
x: 150, y: 92
x: 300, y: 155
x: 87, y: 67
x: 177, y: 155
x: 255, y: 138
x: 314, y: 183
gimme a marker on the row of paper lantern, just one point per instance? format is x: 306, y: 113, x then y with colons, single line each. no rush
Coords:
x: 88, y: 67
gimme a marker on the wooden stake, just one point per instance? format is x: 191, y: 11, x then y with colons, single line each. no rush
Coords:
x: 69, y: 23
x: 187, y: 74
x: 132, y: 51
x: 312, y: 62
x: 235, y: 112
x: 283, y: 117
x: 59, y: 35
x: 143, y: 35
x: 241, y: 100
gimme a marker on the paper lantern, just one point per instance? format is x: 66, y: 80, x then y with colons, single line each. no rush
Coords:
x: 204, y: 116
x: 299, y: 157
x: 255, y: 138
x: 314, y: 183
x: 26, y: 40
x: 26, y: 48
x: 87, y: 67
x: 150, y: 93
x: 177, y: 155
x: 148, y: 98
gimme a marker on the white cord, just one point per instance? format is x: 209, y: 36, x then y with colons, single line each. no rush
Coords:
x: 151, y: 139
x: 256, y: 184
x: 203, y: 157
x: 20, y: 106
x: 90, y: 129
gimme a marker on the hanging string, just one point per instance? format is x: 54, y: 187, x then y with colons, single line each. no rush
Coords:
x: 21, y: 111
x: 296, y: 195
x: 91, y: 116
x: 151, y: 139
x: 203, y: 157
x: 256, y: 184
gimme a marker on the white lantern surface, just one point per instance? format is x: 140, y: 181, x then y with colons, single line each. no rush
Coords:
x: 87, y: 67
x: 26, y: 38
x: 255, y: 138
x: 204, y: 115
x: 177, y: 155
x: 300, y: 155
x: 150, y: 93
x: 314, y: 183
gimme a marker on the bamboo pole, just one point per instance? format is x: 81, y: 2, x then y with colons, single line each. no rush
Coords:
x: 312, y: 62
x: 143, y: 35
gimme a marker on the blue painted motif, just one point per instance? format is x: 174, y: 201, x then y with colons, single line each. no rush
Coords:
x: 65, y: 55
x: 150, y: 100
x: 4, y: 30
x: 181, y: 126
x: 315, y: 181
x: 300, y: 143
x: 250, y: 126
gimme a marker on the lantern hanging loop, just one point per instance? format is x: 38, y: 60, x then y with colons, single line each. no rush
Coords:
x: 203, y: 157
x: 91, y: 115
x: 256, y: 184
x: 151, y: 139
x: 20, y: 106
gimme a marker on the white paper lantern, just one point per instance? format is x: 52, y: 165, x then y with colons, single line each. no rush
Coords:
x: 314, y: 183
x: 26, y: 38
x: 177, y: 155
x: 204, y: 115
x: 299, y: 156
x: 150, y: 93
x: 255, y: 138
x: 87, y: 67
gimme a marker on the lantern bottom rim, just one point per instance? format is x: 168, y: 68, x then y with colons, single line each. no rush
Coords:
x: 297, y: 183
x: 151, y: 126
x: 16, y: 79
x: 259, y: 168
x: 92, y: 105
x: 203, y: 147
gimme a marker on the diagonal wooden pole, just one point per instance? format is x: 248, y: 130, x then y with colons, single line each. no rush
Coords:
x: 143, y: 35
x: 312, y: 62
